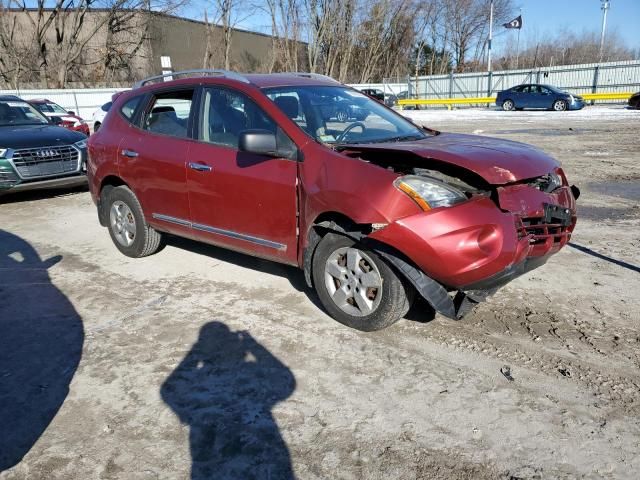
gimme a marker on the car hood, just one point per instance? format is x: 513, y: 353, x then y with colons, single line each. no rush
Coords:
x: 32, y: 136
x: 496, y: 160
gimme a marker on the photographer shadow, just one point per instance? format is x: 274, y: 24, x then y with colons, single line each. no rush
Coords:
x: 225, y: 389
x: 41, y: 338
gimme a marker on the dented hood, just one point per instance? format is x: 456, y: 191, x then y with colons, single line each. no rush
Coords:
x: 496, y: 160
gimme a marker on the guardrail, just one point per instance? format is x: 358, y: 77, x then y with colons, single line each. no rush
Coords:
x: 483, y: 100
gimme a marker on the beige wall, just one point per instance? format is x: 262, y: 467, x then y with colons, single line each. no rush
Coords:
x: 185, y: 42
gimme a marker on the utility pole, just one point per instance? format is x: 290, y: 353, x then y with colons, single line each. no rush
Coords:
x: 490, y: 36
x: 489, y: 77
x: 604, y: 8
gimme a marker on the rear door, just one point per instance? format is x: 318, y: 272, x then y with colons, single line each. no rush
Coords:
x: 153, y: 158
x: 243, y: 201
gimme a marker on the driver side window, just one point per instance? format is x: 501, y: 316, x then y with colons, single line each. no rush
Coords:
x: 227, y: 113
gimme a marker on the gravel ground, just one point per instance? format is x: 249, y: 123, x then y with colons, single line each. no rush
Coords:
x: 202, y: 363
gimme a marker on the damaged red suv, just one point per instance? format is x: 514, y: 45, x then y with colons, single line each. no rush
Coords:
x: 372, y: 207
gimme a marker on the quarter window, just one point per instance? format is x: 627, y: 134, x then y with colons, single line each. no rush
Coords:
x: 169, y: 114
x: 129, y: 108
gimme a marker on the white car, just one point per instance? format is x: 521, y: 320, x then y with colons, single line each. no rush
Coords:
x: 97, y: 117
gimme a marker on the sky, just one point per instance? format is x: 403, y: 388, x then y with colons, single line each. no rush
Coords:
x: 541, y: 18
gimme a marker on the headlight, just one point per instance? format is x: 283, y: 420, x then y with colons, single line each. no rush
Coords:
x: 428, y: 193
x: 81, y: 144
x: 3, y: 151
x: 555, y: 181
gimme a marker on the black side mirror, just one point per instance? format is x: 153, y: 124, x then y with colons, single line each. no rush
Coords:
x: 261, y: 142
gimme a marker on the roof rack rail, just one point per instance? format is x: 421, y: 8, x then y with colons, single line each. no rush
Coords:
x: 202, y: 71
x: 317, y: 76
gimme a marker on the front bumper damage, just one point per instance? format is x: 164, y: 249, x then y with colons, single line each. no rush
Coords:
x: 457, y: 257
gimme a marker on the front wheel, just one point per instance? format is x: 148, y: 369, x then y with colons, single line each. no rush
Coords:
x: 356, y: 286
x: 508, y: 105
x: 559, y: 105
x: 127, y: 226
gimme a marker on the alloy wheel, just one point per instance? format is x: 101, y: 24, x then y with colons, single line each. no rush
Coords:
x: 353, y: 281
x: 123, y: 223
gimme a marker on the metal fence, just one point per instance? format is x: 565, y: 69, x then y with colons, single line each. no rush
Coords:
x: 588, y: 78
x: 579, y: 79
x: 83, y: 101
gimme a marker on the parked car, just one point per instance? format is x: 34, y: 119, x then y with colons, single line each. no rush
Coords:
x: 60, y: 116
x: 374, y: 93
x: 403, y: 95
x: 372, y: 211
x: 332, y: 108
x: 97, y: 117
x: 538, y: 96
x: 35, y: 153
x: 634, y: 100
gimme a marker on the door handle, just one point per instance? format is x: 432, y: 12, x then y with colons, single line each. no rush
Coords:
x: 201, y: 167
x: 129, y: 153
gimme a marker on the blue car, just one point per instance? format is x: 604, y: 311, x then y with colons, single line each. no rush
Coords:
x: 538, y: 96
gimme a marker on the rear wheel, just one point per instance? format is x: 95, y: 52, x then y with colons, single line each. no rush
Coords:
x: 127, y: 226
x: 508, y: 105
x: 356, y: 286
x: 559, y: 105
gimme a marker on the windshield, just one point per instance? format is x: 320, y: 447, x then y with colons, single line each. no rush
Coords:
x: 19, y: 113
x: 51, y: 108
x: 340, y: 115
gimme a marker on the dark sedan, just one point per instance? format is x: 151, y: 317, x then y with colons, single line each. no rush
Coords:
x: 536, y: 96
x: 634, y: 100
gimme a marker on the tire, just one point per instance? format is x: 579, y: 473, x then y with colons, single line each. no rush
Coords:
x: 127, y: 227
x: 384, y: 305
x: 559, y: 106
x: 508, y: 105
x: 96, y: 127
x: 342, y: 116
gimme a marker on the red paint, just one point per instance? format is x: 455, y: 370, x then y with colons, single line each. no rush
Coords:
x: 279, y: 200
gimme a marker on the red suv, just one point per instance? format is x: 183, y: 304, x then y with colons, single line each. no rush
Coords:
x: 372, y: 210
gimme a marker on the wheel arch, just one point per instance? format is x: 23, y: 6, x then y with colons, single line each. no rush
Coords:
x: 107, y: 184
x: 324, y: 223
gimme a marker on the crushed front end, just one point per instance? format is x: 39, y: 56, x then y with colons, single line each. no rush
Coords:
x: 463, y: 253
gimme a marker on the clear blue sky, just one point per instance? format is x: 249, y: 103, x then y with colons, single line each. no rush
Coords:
x: 540, y: 18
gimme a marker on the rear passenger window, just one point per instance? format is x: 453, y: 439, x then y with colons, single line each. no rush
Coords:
x: 169, y: 114
x: 129, y: 108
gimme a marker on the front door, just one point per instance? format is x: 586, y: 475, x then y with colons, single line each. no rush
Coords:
x: 243, y: 201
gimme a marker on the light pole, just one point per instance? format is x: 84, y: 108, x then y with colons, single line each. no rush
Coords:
x: 604, y: 8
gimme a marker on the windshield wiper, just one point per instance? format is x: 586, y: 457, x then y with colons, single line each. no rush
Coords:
x: 399, y: 138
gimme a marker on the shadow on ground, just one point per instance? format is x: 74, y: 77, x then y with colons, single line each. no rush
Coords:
x: 33, y: 195
x: 41, y: 337
x: 225, y: 389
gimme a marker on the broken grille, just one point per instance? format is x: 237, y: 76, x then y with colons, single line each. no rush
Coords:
x: 540, y: 232
x: 46, y: 161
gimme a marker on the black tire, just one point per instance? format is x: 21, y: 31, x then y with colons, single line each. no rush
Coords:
x: 559, y: 106
x: 146, y: 240
x: 508, y: 105
x: 397, y: 294
x: 96, y: 127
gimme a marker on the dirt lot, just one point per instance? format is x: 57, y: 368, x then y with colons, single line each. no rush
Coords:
x: 197, y: 362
